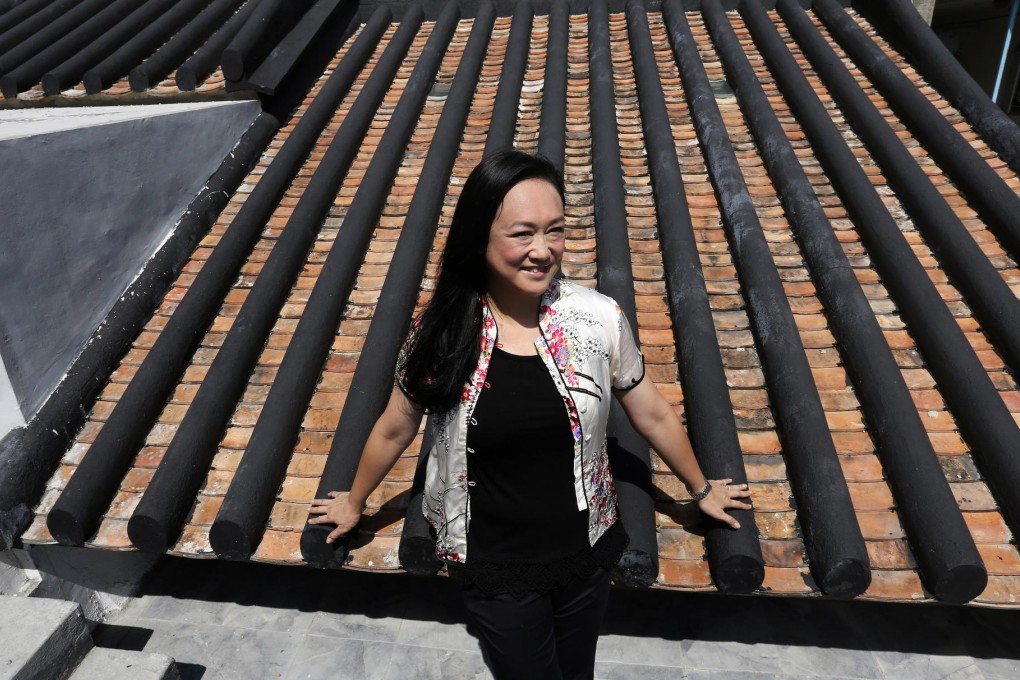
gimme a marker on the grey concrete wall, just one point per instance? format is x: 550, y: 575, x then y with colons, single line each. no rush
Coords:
x: 82, y: 209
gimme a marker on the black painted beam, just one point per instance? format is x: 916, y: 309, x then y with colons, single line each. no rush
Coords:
x: 628, y: 451
x: 13, y: 17
x: 832, y: 538
x: 22, y: 66
x: 241, y: 521
x: 997, y: 204
x: 280, y: 61
x: 948, y: 561
x: 503, y: 124
x: 139, y: 44
x: 373, y: 378
x: 173, y: 53
x: 734, y: 557
x: 39, y: 14
x: 902, y: 25
x: 160, y: 515
x: 76, y: 513
x: 993, y: 303
x: 243, y: 53
x: 68, y: 73
x: 29, y: 455
x: 552, y: 129
x: 203, y: 62
x: 985, y: 423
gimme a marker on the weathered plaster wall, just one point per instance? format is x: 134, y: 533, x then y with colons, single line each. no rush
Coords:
x: 86, y: 197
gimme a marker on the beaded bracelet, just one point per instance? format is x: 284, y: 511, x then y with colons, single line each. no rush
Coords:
x: 703, y: 493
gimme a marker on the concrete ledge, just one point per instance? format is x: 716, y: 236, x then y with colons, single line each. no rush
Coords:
x: 48, y: 640
x: 99, y: 581
x: 121, y: 664
x: 18, y: 576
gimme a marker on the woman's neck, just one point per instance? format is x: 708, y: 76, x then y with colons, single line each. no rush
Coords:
x: 519, y: 310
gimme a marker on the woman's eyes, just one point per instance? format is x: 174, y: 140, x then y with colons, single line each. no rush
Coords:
x: 527, y: 235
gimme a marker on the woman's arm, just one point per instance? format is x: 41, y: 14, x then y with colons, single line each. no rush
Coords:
x: 653, y: 417
x: 393, y: 432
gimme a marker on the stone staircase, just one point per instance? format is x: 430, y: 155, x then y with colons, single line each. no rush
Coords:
x: 44, y: 639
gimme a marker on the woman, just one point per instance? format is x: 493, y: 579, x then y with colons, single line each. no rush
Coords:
x: 517, y: 368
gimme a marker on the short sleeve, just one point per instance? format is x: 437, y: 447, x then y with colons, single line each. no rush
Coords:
x: 626, y: 365
x: 402, y: 356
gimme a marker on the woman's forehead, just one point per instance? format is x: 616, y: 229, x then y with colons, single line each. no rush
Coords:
x: 532, y: 200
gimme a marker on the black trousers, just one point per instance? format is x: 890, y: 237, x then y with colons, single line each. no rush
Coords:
x: 541, y: 636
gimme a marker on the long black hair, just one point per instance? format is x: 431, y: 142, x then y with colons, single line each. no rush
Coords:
x: 443, y: 349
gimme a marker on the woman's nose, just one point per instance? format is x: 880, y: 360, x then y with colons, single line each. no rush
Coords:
x: 539, y: 248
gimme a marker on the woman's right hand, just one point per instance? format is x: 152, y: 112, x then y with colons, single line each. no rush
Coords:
x: 335, y: 510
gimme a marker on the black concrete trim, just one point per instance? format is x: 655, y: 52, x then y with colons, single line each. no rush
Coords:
x: 949, y: 563
x: 990, y: 299
x: 552, y: 128
x: 983, y: 419
x: 157, y: 67
x: 22, y: 66
x: 628, y: 451
x: 241, y: 521
x: 373, y: 377
x: 39, y: 14
x: 281, y: 59
x: 417, y: 550
x: 133, y: 49
x: 503, y: 124
x: 832, y: 538
x: 242, y: 54
x: 203, y: 62
x: 998, y: 205
x: 18, y: 12
x: 70, y: 72
x: 29, y: 455
x: 734, y: 557
x: 159, y: 517
x: 900, y: 24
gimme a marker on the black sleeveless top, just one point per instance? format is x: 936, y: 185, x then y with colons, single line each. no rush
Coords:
x: 526, y: 532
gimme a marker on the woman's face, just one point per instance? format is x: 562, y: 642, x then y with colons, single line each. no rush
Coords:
x: 526, y: 241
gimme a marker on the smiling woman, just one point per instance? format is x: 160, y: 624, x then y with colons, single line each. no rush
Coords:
x: 525, y: 243
x: 519, y: 370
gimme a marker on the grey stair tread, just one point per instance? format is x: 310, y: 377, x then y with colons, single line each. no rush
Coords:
x: 41, y: 638
x: 103, y: 664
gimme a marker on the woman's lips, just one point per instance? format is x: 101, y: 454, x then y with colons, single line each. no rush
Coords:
x: 536, y: 272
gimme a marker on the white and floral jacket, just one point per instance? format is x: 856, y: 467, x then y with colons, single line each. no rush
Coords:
x: 588, y: 348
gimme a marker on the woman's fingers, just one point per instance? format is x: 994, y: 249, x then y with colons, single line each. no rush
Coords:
x: 722, y: 516
x: 335, y: 534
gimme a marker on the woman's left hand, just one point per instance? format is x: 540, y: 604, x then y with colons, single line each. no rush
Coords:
x: 723, y: 497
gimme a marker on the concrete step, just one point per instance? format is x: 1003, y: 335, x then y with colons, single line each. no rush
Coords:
x: 41, y: 639
x: 120, y: 664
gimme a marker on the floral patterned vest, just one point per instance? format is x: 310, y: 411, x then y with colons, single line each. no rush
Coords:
x: 589, y: 349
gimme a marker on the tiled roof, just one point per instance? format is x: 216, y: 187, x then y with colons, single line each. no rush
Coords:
x: 129, y: 51
x: 766, y: 335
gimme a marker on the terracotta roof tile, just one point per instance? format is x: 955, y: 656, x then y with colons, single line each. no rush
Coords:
x: 682, y: 550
